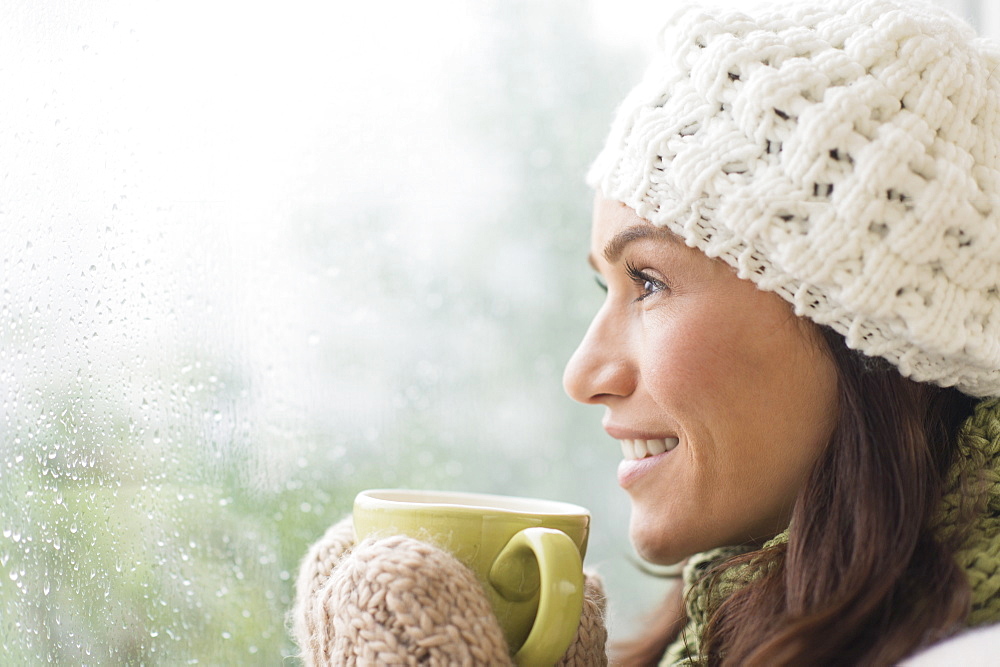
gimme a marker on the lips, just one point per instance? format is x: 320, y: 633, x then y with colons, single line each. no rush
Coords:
x: 634, y: 450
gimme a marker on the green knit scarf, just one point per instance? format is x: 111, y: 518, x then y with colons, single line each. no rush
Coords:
x: 973, y: 490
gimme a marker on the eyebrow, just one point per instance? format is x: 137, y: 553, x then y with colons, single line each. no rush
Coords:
x: 616, y: 246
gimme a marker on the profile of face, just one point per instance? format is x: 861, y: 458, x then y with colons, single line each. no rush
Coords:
x: 722, y: 399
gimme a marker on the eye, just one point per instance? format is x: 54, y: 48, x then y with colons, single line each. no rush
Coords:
x: 601, y: 282
x: 647, y: 284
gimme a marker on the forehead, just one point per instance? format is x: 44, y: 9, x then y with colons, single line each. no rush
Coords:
x: 611, y: 215
x: 615, y: 225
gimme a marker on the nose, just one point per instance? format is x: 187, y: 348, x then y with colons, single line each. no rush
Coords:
x: 602, y: 367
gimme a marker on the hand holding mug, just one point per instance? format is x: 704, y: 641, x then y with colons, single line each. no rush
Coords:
x: 461, y: 578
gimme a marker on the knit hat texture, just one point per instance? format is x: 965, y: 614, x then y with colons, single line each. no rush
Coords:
x: 844, y: 154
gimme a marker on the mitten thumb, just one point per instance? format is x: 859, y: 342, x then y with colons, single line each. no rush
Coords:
x: 314, y: 571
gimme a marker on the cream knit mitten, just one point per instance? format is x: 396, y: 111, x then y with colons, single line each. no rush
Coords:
x: 399, y: 601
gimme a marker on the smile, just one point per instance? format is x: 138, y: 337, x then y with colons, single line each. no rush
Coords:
x: 634, y: 450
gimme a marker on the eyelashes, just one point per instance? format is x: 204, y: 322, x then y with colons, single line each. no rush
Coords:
x: 647, y: 284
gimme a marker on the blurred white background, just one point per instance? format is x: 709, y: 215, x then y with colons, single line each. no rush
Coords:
x: 257, y: 257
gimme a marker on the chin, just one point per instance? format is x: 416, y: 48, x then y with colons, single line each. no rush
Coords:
x: 653, y: 547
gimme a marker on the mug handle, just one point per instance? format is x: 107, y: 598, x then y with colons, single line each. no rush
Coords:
x: 559, y: 585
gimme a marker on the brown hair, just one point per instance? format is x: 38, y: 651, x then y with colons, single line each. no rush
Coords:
x: 863, y: 577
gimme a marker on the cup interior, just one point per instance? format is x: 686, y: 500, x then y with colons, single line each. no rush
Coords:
x: 473, y: 501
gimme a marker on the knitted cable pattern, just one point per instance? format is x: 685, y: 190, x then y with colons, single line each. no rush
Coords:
x: 399, y: 601
x: 974, y: 491
x: 309, y: 623
x: 844, y: 154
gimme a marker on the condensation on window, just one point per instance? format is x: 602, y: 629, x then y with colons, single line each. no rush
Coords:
x: 255, y: 259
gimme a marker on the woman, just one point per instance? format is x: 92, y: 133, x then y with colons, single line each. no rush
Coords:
x: 795, y: 227
x: 842, y: 158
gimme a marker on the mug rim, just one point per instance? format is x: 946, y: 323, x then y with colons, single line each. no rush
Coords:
x: 415, y: 499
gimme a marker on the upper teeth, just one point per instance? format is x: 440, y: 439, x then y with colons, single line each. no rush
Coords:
x: 640, y: 449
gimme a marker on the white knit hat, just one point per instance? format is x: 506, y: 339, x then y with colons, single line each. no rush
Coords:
x: 844, y: 154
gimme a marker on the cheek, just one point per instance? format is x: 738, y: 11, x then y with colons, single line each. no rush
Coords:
x: 692, y: 362
x: 756, y: 405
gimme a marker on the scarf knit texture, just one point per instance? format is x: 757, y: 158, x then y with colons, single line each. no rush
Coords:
x: 977, y: 466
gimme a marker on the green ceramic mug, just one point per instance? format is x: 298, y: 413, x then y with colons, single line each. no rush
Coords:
x: 528, y: 554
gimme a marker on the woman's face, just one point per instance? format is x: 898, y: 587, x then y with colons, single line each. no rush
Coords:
x: 721, y: 397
